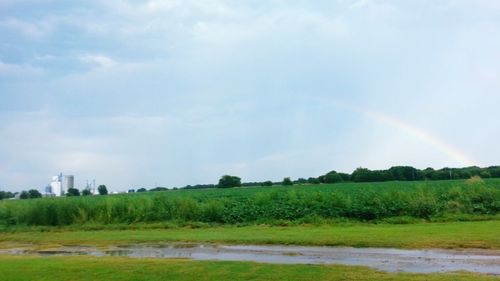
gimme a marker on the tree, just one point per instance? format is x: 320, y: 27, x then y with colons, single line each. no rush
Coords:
x: 287, y: 181
x: 267, y: 183
x: 159, y: 188
x: 86, y: 192
x: 345, y: 177
x: 228, y: 181
x: 312, y: 180
x: 33, y: 193
x: 6, y: 195
x: 405, y: 173
x: 102, y: 189
x: 24, y: 195
x: 142, y: 189
x: 365, y: 175
x: 301, y: 181
x: 332, y: 177
x: 73, y: 192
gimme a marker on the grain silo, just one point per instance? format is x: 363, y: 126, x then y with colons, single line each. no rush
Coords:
x: 69, y: 182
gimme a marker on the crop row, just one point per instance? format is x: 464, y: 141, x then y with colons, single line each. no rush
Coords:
x: 358, y: 202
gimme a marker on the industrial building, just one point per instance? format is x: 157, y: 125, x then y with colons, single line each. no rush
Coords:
x: 60, y: 185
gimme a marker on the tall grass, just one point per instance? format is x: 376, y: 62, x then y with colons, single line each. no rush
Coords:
x: 359, y: 201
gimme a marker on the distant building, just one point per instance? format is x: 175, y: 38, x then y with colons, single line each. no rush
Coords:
x: 92, y: 187
x: 68, y: 182
x: 60, y: 185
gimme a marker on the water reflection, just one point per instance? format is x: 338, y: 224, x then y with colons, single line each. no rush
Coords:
x: 392, y: 260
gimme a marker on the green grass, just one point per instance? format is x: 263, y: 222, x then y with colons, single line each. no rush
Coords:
x: 308, y: 203
x: 423, y: 235
x: 106, y: 268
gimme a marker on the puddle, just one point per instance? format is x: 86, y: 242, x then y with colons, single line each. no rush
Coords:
x: 391, y: 260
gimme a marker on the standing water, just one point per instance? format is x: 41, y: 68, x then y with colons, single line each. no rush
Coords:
x: 391, y: 260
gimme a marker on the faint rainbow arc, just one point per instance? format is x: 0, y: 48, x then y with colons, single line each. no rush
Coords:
x: 426, y: 137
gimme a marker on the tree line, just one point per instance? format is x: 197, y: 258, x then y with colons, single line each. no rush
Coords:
x: 395, y: 173
x: 33, y: 193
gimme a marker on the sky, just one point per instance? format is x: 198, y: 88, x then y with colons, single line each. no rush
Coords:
x: 175, y: 92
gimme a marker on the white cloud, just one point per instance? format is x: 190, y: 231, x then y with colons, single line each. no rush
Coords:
x: 201, y: 88
x: 98, y: 60
x: 18, y: 70
x: 29, y: 29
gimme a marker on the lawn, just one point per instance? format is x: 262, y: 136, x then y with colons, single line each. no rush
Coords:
x: 482, y: 234
x: 114, y: 268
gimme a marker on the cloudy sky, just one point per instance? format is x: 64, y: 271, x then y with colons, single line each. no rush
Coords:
x: 176, y: 92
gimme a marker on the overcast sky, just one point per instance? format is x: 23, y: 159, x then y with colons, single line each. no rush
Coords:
x: 176, y: 92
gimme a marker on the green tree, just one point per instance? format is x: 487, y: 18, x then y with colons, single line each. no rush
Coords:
x: 33, y: 193
x: 287, y: 181
x: 301, y: 181
x: 159, y: 188
x: 267, y: 183
x: 142, y: 189
x: 24, y: 195
x: 86, y: 192
x: 6, y: 195
x: 73, y: 192
x: 228, y: 181
x: 332, y: 177
x: 312, y: 180
x: 102, y: 189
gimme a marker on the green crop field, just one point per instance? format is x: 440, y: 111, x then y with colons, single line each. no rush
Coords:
x: 307, y: 203
x: 422, y: 214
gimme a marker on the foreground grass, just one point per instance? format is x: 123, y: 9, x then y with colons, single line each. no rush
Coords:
x: 482, y: 234
x: 106, y: 268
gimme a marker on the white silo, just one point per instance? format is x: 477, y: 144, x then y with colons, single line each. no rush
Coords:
x: 56, y: 186
x: 69, y: 182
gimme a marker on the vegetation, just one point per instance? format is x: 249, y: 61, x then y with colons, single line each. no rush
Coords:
x: 229, y: 181
x: 31, y: 194
x: 396, y: 173
x: 102, y: 189
x: 267, y: 183
x: 118, y: 268
x: 6, y: 195
x: 73, y: 192
x: 355, y: 201
x: 483, y: 234
x: 287, y: 182
x: 86, y: 192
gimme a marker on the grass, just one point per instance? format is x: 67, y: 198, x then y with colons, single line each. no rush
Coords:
x: 106, y: 268
x: 311, y: 215
x: 353, y: 201
x: 482, y: 234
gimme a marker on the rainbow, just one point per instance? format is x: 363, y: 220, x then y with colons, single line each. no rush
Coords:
x: 406, y: 127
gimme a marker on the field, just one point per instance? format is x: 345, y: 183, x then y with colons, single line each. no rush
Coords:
x: 421, y: 235
x: 88, y: 268
x: 402, y: 201
x: 427, y: 214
